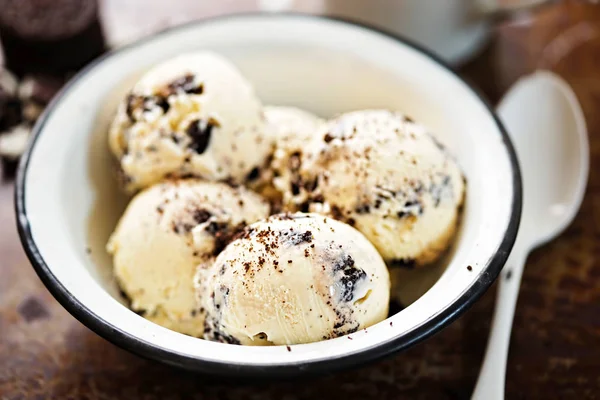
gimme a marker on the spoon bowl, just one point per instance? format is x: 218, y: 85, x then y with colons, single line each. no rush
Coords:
x: 547, y: 127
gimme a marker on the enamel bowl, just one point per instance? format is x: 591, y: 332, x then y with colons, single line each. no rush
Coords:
x: 67, y: 200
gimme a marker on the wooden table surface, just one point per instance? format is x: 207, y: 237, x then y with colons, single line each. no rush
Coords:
x: 555, y: 348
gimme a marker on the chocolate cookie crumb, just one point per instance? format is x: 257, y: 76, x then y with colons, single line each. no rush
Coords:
x: 351, y: 275
x: 200, y: 132
x: 363, y: 209
x: 295, y: 187
x: 253, y: 175
x: 336, y: 213
x: 201, y: 216
x: 296, y: 238
x: 185, y: 84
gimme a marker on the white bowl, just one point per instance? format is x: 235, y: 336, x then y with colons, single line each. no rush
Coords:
x: 67, y: 200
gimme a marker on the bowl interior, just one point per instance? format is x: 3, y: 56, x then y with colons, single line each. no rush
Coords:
x: 70, y: 202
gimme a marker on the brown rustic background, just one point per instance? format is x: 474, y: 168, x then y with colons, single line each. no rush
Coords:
x: 555, y: 349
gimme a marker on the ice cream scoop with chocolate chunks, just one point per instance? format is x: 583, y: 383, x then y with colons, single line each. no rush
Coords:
x: 165, y: 233
x: 194, y: 115
x: 293, y: 129
x: 388, y: 177
x: 293, y: 278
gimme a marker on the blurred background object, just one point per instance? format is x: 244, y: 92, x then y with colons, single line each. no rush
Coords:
x: 44, y: 42
x: 49, y: 36
x: 52, y: 39
x: 453, y: 29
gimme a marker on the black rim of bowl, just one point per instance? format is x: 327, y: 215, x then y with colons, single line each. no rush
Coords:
x: 147, y: 350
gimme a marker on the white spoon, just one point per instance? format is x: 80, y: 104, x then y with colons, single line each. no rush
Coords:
x: 547, y: 127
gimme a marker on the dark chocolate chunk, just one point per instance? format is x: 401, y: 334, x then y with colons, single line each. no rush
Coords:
x: 350, y: 276
x: 411, y: 207
x: 162, y: 103
x: 296, y: 238
x: 201, y: 215
x: 144, y: 104
x: 304, y: 207
x: 295, y: 187
x: 225, y: 234
x: 362, y: 208
x: 214, y: 227
x: 200, y: 132
x: 185, y: 84
x: 337, y: 213
x: 182, y: 228
x: 311, y: 185
x: 253, y: 175
x: 318, y: 198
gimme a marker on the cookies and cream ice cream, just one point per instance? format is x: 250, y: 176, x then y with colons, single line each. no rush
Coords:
x: 196, y: 250
x: 386, y: 176
x: 294, y: 278
x: 194, y: 115
x: 165, y: 233
x: 293, y: 129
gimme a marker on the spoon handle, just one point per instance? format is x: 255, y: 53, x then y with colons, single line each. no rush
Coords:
x: 490, y: 384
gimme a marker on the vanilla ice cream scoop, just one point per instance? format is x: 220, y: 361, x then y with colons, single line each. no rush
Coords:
x: 165, y: 233
x: 194, y: 115
x: 294, y: 278
x: 293, y: 129
x: 388, y: 177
